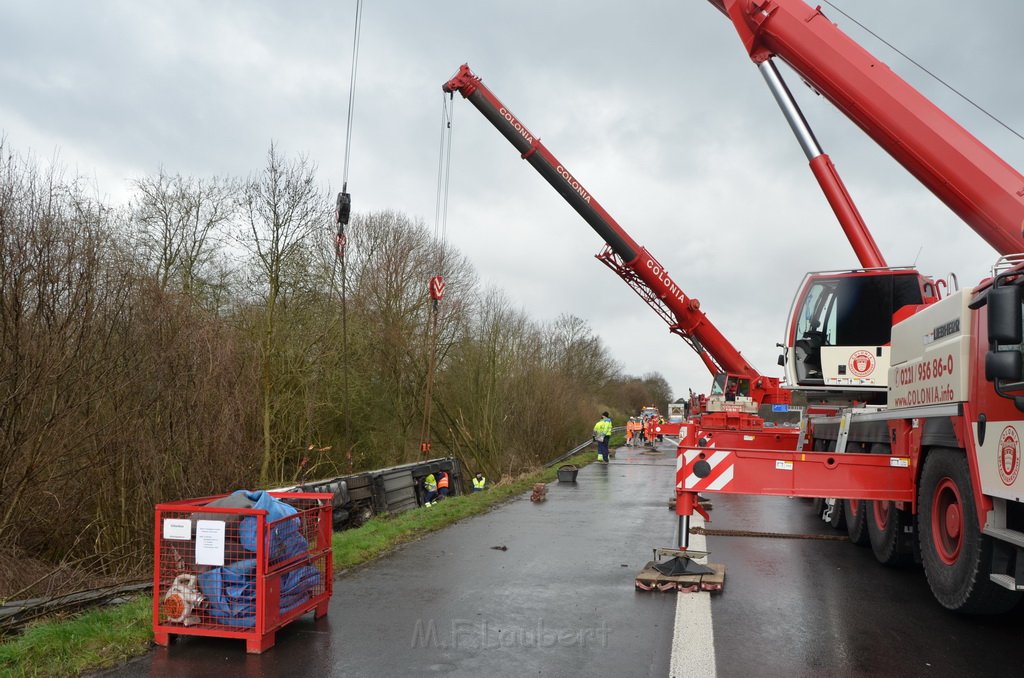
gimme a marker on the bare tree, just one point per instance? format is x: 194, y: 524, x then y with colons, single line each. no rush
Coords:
x: 580, y: 354
x: 283, y: 210
x: 63, y: 284
x: 178, y: 219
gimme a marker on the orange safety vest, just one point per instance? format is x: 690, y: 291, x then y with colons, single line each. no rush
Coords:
x: 442, y: 481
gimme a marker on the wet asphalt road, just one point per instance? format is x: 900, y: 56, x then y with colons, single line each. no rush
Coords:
x: 794, y: 608
x: 560, y: 600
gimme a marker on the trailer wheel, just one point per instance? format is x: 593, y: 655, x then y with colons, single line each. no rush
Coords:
x: 957, y: 557
x: 856, y: 520
x: 886, y: 531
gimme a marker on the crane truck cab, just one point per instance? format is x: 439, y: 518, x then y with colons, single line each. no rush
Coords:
x: 839, y: 331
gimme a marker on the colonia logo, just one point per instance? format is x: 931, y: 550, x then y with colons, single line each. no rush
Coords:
x: 669, y: 287
x: 518, y: 126
x: 1009, y: 455
x: 571, y: 180
x: 862, y: 363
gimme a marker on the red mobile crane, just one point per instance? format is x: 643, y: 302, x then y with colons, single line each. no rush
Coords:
x: 649, y: 279
x: 937, y: 461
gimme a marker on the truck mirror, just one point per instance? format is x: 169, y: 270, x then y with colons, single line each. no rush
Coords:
x: 1004, y: 316
x: 782, y: 360
x: 1004, y: 365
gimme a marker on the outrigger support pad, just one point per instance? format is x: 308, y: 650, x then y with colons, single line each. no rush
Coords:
x: 681, y: 563
x: 675, y: 567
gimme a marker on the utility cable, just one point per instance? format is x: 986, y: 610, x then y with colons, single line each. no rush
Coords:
x: 925, y: 70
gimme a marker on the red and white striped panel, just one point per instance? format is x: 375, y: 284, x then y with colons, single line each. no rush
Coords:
x: 685, y: 440
x: 722, y: 469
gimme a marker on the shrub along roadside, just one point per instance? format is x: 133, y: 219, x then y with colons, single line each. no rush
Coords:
x: 107, y: 636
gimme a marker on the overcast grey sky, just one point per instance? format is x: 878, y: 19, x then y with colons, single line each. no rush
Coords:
x: 654, y: 106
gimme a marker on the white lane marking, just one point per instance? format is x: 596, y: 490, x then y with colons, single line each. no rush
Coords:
x: 693, y: 642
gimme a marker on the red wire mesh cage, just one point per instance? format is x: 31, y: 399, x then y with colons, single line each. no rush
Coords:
x: 241, y: 565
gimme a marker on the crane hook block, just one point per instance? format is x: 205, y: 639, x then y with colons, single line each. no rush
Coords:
x: 343, y: 209
x: 437, y: 288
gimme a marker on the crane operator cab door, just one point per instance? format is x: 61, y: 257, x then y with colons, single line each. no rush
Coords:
x: 840, y: 328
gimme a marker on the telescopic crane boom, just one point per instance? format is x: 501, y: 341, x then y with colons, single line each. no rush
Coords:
x: 632, y: 262
x: 974, y: 182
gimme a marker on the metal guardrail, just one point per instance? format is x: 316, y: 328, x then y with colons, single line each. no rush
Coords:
x: 15, y: 614
x: 579, y: 448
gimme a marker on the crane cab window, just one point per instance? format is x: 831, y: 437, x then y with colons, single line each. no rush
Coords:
x: 848, y: 310
x: 730, y: 386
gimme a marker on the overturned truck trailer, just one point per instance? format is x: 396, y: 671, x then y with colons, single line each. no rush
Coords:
x: 360, y: 496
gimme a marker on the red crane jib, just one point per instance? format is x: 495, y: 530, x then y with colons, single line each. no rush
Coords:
x: 632, y: 262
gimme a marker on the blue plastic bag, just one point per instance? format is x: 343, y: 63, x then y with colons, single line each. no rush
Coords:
x: 286, y: 541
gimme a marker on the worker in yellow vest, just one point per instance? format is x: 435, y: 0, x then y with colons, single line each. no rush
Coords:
x: 602, y: 432
x: 430, y: 490
x: 479, y: 482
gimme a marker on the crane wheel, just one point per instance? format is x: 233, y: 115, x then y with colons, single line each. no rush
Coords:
x: 855, y: 511
x: 956, y: 556
x: 889, y: 540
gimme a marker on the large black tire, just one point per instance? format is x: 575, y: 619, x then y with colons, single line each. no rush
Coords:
x: 856, y: 514
x: 855, y: 511
x: 818, y: 506
x: 858, y: 511
x: 957, y: 557
x: 887, y: 533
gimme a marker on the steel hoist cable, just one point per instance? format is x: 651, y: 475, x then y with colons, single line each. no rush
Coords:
x: 444, y: 158
x: 343, y: 211
x: 436, y: 284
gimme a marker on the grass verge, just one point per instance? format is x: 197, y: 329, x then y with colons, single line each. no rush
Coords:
x: 104, y: 637
x: 66, y: 647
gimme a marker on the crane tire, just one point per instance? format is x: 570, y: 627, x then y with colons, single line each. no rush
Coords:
x: 856, y: 521
x: 956, y: 556
x: 887, y: 534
